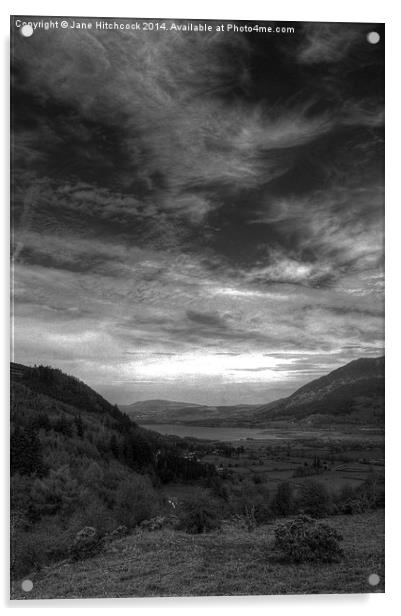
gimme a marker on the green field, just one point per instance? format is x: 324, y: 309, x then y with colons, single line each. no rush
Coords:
x: 226, y: 562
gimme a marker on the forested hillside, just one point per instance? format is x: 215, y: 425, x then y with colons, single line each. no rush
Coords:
x: 351, y: 394
x: 76, y: 460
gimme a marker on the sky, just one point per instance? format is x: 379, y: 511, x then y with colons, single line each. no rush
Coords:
x: 198, y: 216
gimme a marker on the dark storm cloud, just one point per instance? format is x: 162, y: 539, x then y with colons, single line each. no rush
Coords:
x: 211, y: 194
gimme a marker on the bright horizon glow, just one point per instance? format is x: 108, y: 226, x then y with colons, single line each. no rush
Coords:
x: 245, y: 367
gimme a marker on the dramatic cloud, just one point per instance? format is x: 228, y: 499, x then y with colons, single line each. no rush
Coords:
x: 198, y: 215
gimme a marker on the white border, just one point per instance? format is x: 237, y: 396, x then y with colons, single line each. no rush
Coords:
x: 285, y: 10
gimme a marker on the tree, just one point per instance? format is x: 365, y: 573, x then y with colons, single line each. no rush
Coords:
x: 41, y: 421
x: 251, y: 501
x: 79, y: 425
x: 58, y: 493
x: 26, y: 452
x: 63, y: 426
x: 136, y: 500
x: 137, y: 451
x: 313, y: 498
x: 283, y: 501
x: 114, y: 447
x: 199, y: 514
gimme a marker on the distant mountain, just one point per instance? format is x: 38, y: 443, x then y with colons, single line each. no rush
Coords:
x: 353, y: 393
x: 168, y: 411
x: 155, y: 406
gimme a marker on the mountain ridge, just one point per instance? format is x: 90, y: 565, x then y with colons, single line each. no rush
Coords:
x: 337, y: 393
x: 352, y: 393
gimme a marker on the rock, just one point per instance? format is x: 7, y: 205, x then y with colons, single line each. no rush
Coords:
x: 159, y: 522
x: 86, y: 543
x: 120, y: 531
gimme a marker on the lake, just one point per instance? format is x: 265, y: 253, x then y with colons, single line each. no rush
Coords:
x: 216, y: 434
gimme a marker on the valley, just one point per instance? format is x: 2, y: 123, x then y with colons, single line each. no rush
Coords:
x: 80, y: 464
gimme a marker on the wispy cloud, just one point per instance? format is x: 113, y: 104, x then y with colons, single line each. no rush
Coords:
x: 328, y: 43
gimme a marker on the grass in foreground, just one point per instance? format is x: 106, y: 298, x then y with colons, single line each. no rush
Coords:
x: 172, y: 563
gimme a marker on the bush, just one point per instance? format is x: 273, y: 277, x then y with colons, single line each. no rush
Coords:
x: 367, y: 496
x: 27, y: 553
x: 44, y: 542
x: 346, y: 501
x: 313, y: 499
x: 94, y: 513
x: 305, y: 540
x: 372, y: 492
x: 136, y: 500
x: 199, y: 514
x: 251, y: 501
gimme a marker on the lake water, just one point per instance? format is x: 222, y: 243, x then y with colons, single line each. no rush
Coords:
x: 219, y: 434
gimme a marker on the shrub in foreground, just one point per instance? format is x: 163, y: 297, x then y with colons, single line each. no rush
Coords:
x: 306, y: 540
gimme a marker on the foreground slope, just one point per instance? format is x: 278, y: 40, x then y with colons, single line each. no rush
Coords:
x: 230, y: 562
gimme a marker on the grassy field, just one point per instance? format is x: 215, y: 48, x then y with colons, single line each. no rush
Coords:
x: 226, y: 562
x: 273, y: 463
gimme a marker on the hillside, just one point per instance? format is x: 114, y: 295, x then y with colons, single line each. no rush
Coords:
x: 167, y: 411
x: 353, y: 393
x: 66, y: 388
x: 154, y: 410
x: 157, y: 405
x: 77, y: 460
x: 64, y: 417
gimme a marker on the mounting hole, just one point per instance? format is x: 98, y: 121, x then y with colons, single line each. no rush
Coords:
x: 373, y: 579
x: 373, y: 38
x: 26, y: 30
x: 27, y: 585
